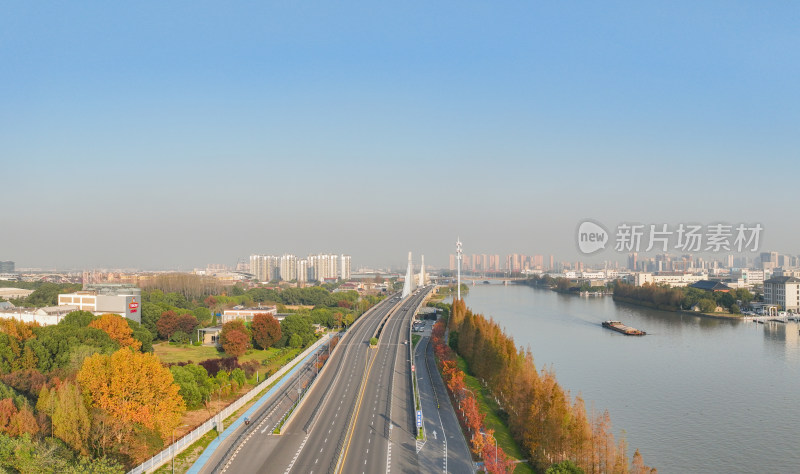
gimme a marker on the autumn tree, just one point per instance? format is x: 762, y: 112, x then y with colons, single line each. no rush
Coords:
x: 187, y: 323
x: 266, y: 330
x: 133, y: 388
x: 117, y: 328
x: 235, y: 342
x: 167, y: 324
x: 68, y: 413
x: 16, y: 421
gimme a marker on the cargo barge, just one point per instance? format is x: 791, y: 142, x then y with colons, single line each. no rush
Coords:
x: 619, y: 327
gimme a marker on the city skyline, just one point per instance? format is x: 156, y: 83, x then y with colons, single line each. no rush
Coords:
x: 167, y: 136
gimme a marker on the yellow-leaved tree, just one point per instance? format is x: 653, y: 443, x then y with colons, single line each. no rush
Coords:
x: 133, y: 387
x: 117, y: 328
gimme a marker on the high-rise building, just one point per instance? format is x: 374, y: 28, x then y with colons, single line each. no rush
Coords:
x: 264, y: 267
x: 633, y: 261
x: 323, y: 266
x: 288, y: 267
x: 344, y: 272
x: 301, y: 270
x: 452, y: 262
x: 7, y: 267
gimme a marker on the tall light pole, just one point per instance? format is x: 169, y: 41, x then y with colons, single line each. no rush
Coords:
x: 459, y: 252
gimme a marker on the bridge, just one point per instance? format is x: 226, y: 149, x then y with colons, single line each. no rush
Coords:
x: 482, y: 279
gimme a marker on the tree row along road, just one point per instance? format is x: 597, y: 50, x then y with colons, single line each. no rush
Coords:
x: 312, y: 441
x: 383, y: 435
x: 445, y: 449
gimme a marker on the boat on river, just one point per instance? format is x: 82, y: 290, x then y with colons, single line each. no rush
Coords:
x: 619, y: 327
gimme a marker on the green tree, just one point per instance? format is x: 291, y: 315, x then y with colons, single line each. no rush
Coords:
x: 707, y: 305
x: 70, y: 417
x: 150, y: 314
x: 295, y: 341
x: 47, y: 294
x: 202, y: 314
x: 564, y: 467
x: 238, y: 376
x: 141, y: 334
x: 195, y: 384
x: 299, y: 325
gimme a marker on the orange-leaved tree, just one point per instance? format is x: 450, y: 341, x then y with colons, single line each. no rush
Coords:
x: 133, y: 387
x: 117, y: 328
x: 266, y: 330
x: 235, y: 338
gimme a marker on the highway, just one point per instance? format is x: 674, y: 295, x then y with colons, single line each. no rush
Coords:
x: 319, y: 427
x: 383, y: 437
x: 445, y: 449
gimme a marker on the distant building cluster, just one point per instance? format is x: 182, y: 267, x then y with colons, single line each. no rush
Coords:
x: 7, y: 271
x: 514, y: 262
x: 288, y: 267
x: 766, y: 261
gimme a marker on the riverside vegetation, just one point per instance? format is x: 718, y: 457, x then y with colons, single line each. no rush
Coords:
x: 553, y: 429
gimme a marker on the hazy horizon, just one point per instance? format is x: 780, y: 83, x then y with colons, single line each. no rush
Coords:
x: 161, y: 135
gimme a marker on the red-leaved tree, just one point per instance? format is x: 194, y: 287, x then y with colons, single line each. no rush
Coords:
x: 235, y: 342
x: 266, y: 330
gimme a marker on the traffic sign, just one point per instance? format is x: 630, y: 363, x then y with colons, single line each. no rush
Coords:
x: 419, y: 418
x: 413, y: 367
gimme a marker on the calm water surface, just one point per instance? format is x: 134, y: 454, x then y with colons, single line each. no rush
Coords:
x: 694, y: 395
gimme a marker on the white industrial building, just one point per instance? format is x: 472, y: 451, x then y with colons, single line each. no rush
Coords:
x: 124, y: 300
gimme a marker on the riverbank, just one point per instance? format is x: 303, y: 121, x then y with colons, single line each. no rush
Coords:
x: 673, y: 394
x: 670, y: 309
x: 535, y: 402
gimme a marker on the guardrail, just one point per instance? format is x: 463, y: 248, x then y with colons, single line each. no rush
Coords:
x: 174, y: 449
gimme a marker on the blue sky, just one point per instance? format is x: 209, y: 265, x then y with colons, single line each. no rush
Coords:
x: 174, y: 134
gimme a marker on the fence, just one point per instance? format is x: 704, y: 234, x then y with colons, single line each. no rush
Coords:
x: 174, y: 449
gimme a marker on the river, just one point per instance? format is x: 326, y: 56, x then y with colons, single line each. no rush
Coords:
x: 693, y: 395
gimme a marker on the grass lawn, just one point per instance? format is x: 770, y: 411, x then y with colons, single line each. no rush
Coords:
x: 487, y: 405
x: 415, y: 339
x: 172, y: 354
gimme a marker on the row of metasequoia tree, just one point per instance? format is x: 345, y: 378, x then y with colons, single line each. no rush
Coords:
x: 547, y: 423
x: 481, y: 440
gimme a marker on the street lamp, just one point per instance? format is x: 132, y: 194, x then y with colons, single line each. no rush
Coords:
x: 495, y: 447
x: 173, y: 446
x: 459, y: 399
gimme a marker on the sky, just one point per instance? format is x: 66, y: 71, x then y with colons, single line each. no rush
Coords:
x: 161, y: 135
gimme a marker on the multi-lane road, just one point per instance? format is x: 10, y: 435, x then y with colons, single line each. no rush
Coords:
x: 445, y: 449
x: 383, y: 435
x: 359, y: 414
